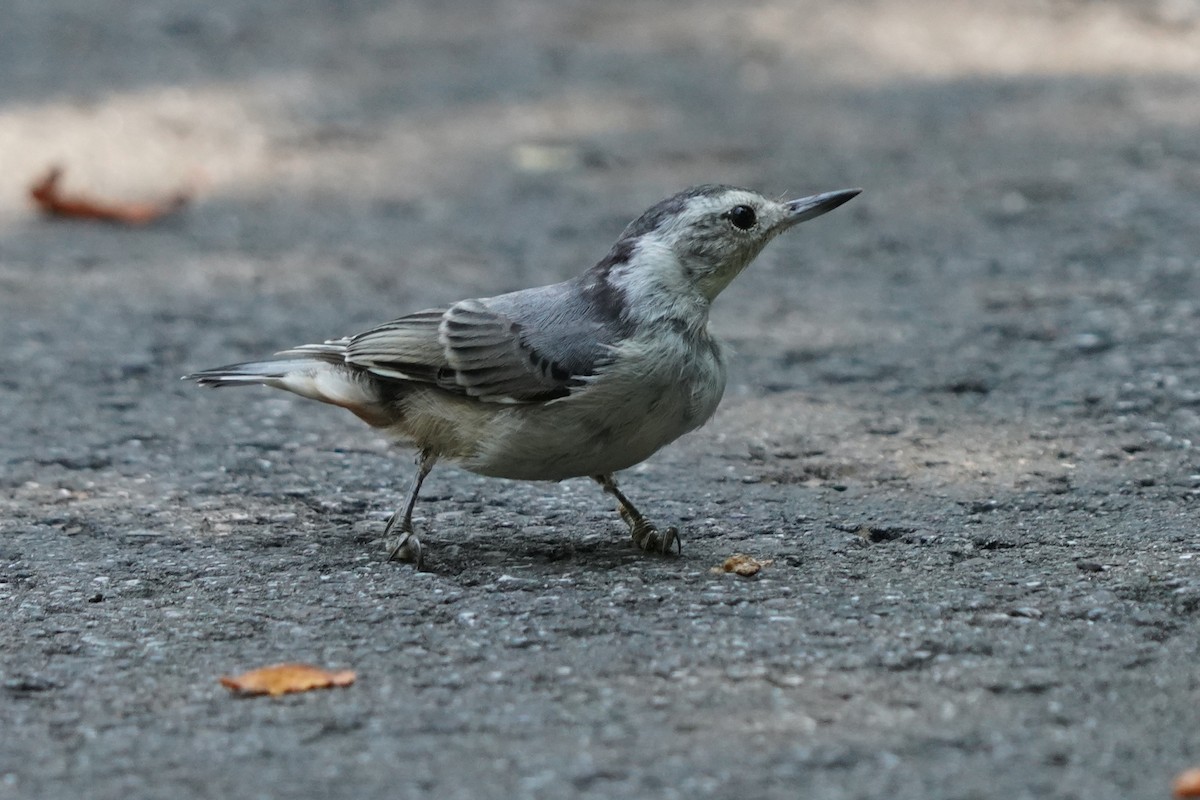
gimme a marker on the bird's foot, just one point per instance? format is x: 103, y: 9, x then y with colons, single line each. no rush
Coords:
x: 650, y: 539
x: 403, y: 544
x: 405, y: 547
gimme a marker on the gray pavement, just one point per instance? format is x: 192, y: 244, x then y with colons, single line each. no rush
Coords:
x: 962, y: 422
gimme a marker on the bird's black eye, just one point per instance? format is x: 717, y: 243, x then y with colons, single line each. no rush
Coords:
x: 742, y: 217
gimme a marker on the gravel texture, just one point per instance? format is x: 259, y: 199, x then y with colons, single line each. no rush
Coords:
x: 962, y: 422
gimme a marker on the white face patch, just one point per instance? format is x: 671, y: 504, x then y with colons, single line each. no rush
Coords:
x: 708, y: 239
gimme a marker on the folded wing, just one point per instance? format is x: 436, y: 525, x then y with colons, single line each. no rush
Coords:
x: 525, y: 347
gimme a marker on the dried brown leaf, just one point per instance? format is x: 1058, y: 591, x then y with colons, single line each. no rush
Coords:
x: 49, y: 197
x: 279, y: 679
x: 1187, y: 783
x: 742, y: 564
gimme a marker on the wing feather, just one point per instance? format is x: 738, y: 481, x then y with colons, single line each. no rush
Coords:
x: 404, y: 349
x: 482, y: 348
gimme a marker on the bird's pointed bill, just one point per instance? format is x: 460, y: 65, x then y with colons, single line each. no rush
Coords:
x: 806, y: 208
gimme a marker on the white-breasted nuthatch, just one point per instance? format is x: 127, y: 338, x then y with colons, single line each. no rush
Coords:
x: 580, y: 378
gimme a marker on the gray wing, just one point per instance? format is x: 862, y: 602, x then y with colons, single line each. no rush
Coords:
x: 404, y: 349
x: 524, y: 347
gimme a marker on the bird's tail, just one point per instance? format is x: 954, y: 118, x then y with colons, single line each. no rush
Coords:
x: 315, y: 371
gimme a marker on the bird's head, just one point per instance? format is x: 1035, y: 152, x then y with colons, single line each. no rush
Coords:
x: 711, y: 233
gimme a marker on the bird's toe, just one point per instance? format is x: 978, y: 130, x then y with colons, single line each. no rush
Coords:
x: 650, y: 539
x: 405, y: 547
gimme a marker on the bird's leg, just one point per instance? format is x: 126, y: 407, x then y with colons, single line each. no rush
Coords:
x: 406, y: 546
x: 645, y: 536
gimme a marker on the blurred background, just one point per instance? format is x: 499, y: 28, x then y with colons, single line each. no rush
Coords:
x: 385, y: 156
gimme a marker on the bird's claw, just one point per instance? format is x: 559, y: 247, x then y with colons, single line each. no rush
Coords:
x: 405, y: 547
x: 404, y: 544
x: 650, y: 539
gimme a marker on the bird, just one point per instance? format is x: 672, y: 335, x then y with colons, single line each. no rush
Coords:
x: 582, y: 378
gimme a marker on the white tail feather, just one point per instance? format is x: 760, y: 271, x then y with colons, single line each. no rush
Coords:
x: 314, y: 378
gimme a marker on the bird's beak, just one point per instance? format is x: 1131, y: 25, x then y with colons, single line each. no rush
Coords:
x: 808, y: 207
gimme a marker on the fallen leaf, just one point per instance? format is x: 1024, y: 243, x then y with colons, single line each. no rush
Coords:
x: 1187, y: 783
x: 53, y: 202
x: 742, y: 564
x: 279, y: 679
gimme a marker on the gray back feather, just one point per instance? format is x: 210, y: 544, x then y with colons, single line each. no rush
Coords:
x: 529, y: 346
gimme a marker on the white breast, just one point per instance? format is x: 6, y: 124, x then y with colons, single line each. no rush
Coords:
x: 655, y: 390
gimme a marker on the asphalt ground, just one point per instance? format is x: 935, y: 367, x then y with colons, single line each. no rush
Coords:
x: 962, y: 422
